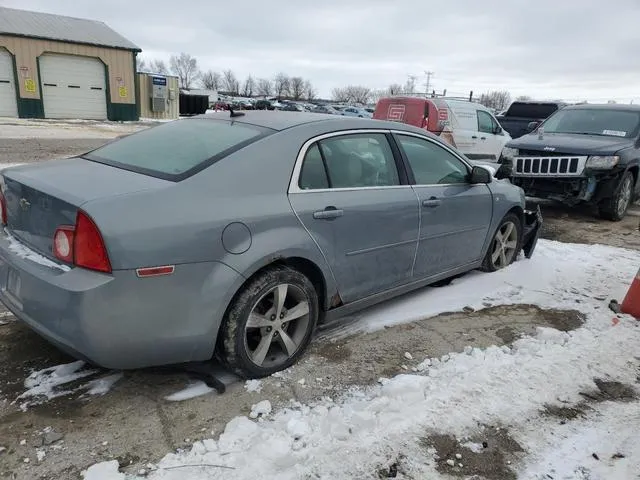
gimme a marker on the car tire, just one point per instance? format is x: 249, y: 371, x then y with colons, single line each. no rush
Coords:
x: 254, y: 340
x: 502, y: 253
x: 615, y: 207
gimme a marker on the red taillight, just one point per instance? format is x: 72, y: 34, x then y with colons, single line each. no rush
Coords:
x: 82, y: 245
x: 3, y: 209
x: 63, y: 243
x: 89, y: 249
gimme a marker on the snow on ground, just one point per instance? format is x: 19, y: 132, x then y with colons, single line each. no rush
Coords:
x: 353, y: 436
x: 195, y: 389
x: 58, y: 381
x: 68, y: 129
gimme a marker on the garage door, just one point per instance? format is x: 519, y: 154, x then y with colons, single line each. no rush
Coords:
x: 73, y: 87
x: 8, y: 104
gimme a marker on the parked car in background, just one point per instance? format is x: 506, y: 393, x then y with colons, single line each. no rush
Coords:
x: 263, y: 105
x: 325, y: 109
x: 292, y: 107
x: 355, y: 112
x: 523, y: 117
x: 468, y: 126
x: 333, y: 214
x: 580, y: 154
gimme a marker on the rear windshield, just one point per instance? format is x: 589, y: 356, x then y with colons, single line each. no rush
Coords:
x: 531, y: 110
x: 612, y: 123
x: 178, y: 149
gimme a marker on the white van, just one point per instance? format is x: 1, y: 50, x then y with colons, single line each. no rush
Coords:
x: 468, y: 126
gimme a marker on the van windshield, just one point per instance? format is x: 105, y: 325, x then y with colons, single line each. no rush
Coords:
x: 594, y: 121
x: 178, y: 149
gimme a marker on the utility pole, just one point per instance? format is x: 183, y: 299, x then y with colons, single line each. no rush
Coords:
x: 428, y: 84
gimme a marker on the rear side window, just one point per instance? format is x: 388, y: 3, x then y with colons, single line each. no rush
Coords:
x: 349, y: 161
x: 178, y: 149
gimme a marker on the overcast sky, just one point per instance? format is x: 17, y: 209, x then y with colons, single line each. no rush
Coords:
x: 570, y: 49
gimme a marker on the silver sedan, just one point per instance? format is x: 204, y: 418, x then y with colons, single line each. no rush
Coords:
x: 233, y: 235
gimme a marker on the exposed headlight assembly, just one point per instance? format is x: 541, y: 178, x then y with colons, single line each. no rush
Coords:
x: 509, y: 153
x: 602, y: 163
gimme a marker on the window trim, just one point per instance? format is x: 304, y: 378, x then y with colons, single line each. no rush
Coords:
x: 412, y: 177
x: 294, y: 186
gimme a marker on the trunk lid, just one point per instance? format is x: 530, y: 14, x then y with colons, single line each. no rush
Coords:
x: 41, y: 197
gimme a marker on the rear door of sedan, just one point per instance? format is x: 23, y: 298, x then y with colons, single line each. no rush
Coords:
x: 455, y: 214
x: 350, y: 191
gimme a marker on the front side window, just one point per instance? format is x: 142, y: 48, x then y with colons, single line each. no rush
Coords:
x: 432, y: 164
x: 349, y: 161
x: 485, y: 122
x: 177, y: 149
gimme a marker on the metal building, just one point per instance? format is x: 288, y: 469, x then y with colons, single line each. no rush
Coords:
x: 53, y: 66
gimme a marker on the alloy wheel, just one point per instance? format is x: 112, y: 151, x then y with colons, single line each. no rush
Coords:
x: 624, y: 196
x: 277, y: 326
x: 504, y: 245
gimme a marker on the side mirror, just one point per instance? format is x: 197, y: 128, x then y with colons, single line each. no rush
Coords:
x: 532, y: 126
x: 497, y: 130
x: 479, y: 175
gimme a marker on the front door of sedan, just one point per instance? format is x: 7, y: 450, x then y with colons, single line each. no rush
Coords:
x: 349, y: 196
x: 455, y: 215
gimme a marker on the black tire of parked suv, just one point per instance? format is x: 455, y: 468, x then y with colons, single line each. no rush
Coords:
x: 488, y: 265
x: 233, y: 344
x: 615, y: 207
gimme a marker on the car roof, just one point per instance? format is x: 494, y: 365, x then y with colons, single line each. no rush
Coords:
x: 279, y: 120
x: 604, y: 106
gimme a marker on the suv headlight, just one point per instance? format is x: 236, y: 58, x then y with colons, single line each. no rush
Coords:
x: 509, y: 153
x: 598, y: 162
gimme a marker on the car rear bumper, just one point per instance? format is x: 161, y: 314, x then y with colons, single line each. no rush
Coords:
x: 118, y: 320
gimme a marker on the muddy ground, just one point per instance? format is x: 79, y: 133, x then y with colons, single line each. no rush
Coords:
x: 92, y: 426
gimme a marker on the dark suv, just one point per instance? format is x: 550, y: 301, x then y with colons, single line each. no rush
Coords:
x: 580, y: 154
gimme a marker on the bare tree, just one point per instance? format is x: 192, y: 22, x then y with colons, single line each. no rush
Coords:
x: 230, y: 83
x: 248, y: 87
x: 281, y: 85
x: 158, y: 66
x: 395, y: 89
x: 352, y: 94
x: 523, y: 98
x: 141, y: 65
x: 496, y: 99
x: 264, y: 87
x: 296, y: 87
x: 309, y: 91
x: 211, y: 80
x: 186, y: 68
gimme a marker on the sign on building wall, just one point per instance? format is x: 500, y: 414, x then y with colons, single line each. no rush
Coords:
x: 123, y: 92
x: 29, y: 85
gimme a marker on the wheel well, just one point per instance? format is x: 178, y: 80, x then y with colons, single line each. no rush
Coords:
x: 518, y: 211
x: 634, y: 172
x: 304, y: 266
x: 311, y: 271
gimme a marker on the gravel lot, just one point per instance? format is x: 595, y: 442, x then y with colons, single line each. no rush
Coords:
x: 92, y: 426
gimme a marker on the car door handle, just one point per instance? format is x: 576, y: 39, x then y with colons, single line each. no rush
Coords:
x: 474, y: 137
x: 432, y: 202
x: 328, y: 213
x: 483, y: 138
